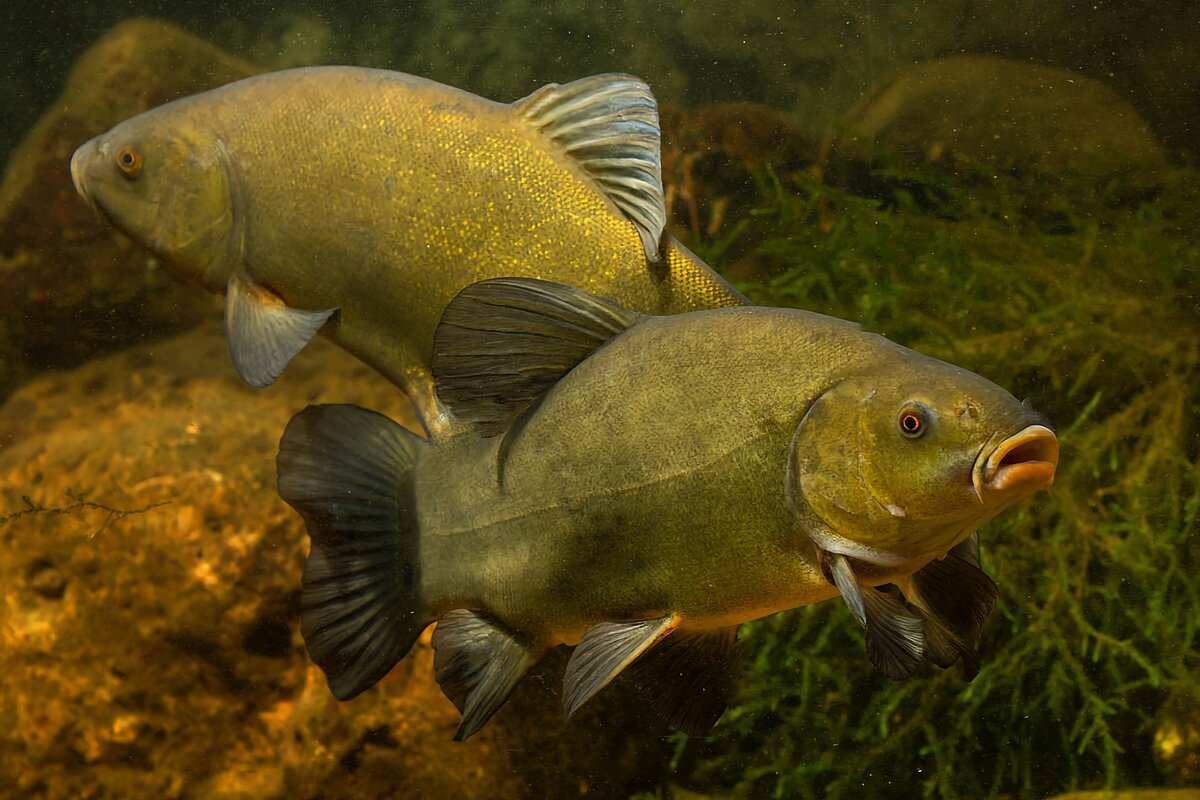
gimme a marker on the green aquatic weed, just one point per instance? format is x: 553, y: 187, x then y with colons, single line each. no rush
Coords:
x: 1086, y: 303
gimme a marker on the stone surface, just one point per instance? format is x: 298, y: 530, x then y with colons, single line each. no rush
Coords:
x: 1029, y: 119
x: 157, y: 653
x: 1177, y: 739
x: 70, y: 284
x: 710, y: 155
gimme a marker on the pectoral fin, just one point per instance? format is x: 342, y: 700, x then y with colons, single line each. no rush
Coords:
x: 604, y: 651
x: 607, y: 126
x: 478, y: 664
x: 968, y: 550
x: 688, y: 677
x: 895, y: 636
x: 960, y: 596
x: 262, y: 332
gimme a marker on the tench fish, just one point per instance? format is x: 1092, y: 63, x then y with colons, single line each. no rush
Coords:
x: 360, y: 201
x: 639, y: 486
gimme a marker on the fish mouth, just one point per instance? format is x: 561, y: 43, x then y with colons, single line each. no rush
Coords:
x: 79, y: 177
x: 1024, y: 462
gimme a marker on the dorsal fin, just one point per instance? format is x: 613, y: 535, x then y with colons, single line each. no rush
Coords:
x: 504, y: 341
x: 608, y: 125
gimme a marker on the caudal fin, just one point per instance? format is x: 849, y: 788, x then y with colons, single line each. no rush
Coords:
x: 348, y: 472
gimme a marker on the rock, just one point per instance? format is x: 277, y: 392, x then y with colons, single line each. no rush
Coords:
x: 1177, y: 739
x: 977, y: 110
x: 152, y: 650
x: 710, y: 155
x: 70, y: 285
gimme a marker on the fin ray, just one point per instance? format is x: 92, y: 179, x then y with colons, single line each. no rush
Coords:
x: 895, y: 636
x: 503, y: 342
x: 478, y: 664
x: 347, y: 472
x: 262, y: 333
x: 604, y: 651
x: 960, y: 596
x: 608, y: 125
x: 688, y: 677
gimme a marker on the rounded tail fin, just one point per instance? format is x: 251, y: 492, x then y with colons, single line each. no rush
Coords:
x: 348, y: 472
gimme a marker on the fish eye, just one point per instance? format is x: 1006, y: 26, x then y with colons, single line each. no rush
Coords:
x: 912, y: 422
x: 129, y: 161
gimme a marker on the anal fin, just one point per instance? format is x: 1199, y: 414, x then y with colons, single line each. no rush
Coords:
x: 262, y: 332
x: 604, y: 651
x: 478, y: 664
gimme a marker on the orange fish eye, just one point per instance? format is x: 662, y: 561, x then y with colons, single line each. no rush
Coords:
x: 129, y: 161
x: 912, y: 422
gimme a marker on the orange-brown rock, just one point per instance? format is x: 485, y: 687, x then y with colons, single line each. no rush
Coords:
x: 153, y: 650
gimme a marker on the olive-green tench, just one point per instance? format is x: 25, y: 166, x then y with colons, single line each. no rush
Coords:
x: 359, y: 201
x: 639, y: 486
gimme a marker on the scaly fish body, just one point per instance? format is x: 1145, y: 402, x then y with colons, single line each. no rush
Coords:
x: 640, y: 486
x: 380, y: 195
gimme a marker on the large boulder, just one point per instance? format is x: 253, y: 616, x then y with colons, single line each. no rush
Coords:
x: 973, y: 111
x: 149, y: 642
x: 71, y: 285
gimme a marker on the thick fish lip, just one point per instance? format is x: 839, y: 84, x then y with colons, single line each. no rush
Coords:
x: 79, y: 174
x: 1024, y: 462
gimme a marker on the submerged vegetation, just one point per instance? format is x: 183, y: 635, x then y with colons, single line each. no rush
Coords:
x: 1087, y: 305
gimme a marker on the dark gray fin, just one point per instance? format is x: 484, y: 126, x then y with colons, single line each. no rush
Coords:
x: 959, y: 594
x: 968, y: 550
x: 608, y: 126
x: 688, y: 677
x: 503, y: 342
x: 942, y: 647
x: 477, y: 664
x: 348, y: 472
x: 895, y: 636
x: 604, y: 651
x: 262, y: 332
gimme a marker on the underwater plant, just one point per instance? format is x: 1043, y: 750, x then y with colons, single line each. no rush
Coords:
x: 1087, y: 305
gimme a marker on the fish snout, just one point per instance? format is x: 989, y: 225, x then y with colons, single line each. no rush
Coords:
x: 84, y: 154
x: 1024, y: 462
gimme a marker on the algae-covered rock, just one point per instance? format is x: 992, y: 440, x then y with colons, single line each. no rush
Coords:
x: 976, y: 110
x: 1177, y: 739
x: 70, y: 285
x: 149, y: 644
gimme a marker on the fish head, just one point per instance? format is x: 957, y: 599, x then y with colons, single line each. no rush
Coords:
x: 164, y: 180
x: 895, y: 466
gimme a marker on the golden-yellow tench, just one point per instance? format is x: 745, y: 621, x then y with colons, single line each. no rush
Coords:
x: 360, y: 201
x: 638, y: 486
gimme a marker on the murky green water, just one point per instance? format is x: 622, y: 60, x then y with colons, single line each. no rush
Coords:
x: 1024, y: 205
